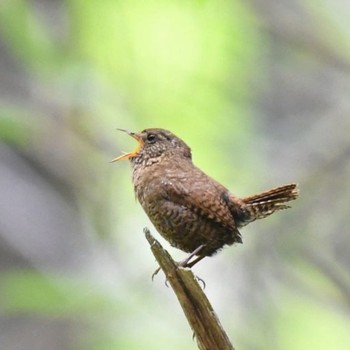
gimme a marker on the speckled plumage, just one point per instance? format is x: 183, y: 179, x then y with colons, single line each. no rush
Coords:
x: 186, y: 206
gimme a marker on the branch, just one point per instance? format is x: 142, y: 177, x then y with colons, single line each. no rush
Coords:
x: 200, y: 315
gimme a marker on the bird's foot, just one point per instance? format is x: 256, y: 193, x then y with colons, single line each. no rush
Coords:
x: 179, y: 265
x: 155, y: 272
x: 187, y: 263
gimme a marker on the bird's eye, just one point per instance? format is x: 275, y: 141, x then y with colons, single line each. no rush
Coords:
x: 151, y: 138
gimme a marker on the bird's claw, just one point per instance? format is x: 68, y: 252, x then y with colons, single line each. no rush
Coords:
x: 179, y: 264
x: 155, y: 273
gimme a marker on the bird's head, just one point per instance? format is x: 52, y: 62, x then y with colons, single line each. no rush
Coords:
x: 153, y: 144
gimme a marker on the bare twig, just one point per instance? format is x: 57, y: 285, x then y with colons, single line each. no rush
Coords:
x: 206, y: 326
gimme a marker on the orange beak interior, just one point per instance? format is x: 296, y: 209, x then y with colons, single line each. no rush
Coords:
x: 138, y: 138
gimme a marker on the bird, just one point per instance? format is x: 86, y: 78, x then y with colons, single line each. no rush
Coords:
x: 191, y: 210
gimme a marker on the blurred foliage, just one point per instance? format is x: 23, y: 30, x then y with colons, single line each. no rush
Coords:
x: 170, y: 64
x: 260, y: 93
x: 307, y: 326
x: 13, y: 128
x: 52, y: 296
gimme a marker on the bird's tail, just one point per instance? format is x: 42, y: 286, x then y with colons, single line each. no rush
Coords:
x: 264, y: 204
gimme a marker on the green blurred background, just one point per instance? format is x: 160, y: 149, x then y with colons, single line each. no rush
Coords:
x: 258, y: 89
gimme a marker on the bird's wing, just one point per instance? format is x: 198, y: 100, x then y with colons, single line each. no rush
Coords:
x: 201, y: 194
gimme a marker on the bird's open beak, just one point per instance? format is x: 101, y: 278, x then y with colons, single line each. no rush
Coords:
x: 138, y: 138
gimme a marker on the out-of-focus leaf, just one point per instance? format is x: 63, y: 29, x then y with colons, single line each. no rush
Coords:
x: 14, y: 127
x: 303, y: 324
x: 29, y: 292
x: 29, y: 38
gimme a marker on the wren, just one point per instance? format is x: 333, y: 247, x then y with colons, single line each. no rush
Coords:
x: 191, y: 210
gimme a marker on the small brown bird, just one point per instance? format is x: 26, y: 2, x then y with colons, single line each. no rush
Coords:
x: 191, y: 210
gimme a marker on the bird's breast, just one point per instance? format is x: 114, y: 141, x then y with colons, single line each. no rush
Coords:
x: 149, y: 182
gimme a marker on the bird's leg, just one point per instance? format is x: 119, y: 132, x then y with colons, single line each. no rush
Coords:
x: 186, y: 262
x: 194, y: 262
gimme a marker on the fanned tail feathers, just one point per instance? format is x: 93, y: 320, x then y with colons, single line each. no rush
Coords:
x: 264, y: 204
